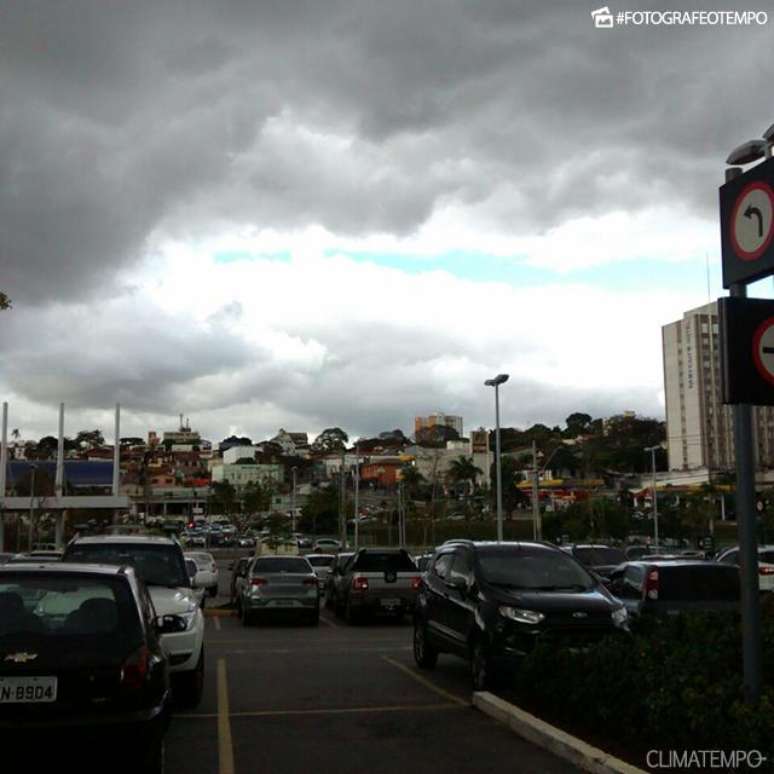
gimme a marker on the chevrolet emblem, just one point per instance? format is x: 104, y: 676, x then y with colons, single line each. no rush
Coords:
x: 20, y: 658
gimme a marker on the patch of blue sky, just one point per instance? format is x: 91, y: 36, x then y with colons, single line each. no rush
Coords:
x: 636, y: 274
x: 243, y: 255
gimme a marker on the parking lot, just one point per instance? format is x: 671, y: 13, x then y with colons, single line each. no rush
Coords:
x: 286, y: 697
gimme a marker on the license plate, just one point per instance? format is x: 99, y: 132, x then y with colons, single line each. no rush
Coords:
x: 390, y: 603
x: 27, y: 690
x: 283, y: 603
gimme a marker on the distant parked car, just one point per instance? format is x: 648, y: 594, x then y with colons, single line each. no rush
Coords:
x: 378, y: 580
x: 765, y: 564
x: 279, y: 585
x: 246, y: 541
x: 238, y: 573
x: 321, y: 564
x: 671, y: 587
x: 422, y: 561
x: 601, y: 559
x: 326, y: 546
x: 335, y: 576
x: 207, y: 575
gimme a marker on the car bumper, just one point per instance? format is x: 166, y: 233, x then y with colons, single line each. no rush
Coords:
x: 384, y: 601
x: 288, y: 605
x: 183, y: 648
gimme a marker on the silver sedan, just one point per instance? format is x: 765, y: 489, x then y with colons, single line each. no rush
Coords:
x: 280, y: 585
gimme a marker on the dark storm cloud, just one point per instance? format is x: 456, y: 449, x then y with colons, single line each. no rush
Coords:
x: 117, y: 118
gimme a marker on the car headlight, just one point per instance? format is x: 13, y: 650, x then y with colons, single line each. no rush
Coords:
x: 190, y: 615
x: 620, y: 616
x: 521, y: 616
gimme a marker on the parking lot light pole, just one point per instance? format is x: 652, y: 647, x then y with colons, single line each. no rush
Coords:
x: 652, y: 450
x: 496, y: 382
x: 357, y: 496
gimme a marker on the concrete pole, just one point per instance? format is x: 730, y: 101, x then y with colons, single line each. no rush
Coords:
x: 59, y: 483
x: 117, y: 459
x: 537, y: 527
x: 498, y: 465
x: 357, y: 496
x: 3, y: 467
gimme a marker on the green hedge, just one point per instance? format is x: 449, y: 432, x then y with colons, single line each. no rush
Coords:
x: 444, y: 530
x: 674, y: 684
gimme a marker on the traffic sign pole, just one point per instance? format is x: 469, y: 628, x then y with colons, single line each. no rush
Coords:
x: 746, y: 523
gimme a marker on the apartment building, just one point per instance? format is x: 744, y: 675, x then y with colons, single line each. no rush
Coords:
x: 700, y: 429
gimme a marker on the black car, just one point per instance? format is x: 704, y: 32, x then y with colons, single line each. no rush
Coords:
x: 600, y: 559
x: 674, y: 586
x: 81, y: 667
x: 492, y: 603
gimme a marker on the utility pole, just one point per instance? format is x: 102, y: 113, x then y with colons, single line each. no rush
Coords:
x: 342, y: 503
x: 536, y: 525
x: 652, y: 450
x: 357, y: 495
x: 293, y: 498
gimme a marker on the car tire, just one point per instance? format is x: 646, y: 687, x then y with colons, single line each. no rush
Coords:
x: 425, y: 655
x: 190, y: 685
x: 481, y: 669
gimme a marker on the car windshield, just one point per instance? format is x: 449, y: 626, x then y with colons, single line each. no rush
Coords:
x: 387, y: 561
x: 532, y: 568
x: 280, y: 565
x: 157, y: 565
x: 594, y: 555
x: 65, y: 606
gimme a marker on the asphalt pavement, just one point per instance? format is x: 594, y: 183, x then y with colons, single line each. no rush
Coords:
x: 287, y: 697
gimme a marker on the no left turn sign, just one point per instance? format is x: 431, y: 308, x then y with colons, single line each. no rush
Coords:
x: 752, y: 221
x: 763, y: 349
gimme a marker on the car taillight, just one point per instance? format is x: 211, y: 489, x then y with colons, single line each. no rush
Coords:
x: 416, y: 584
x: 258, y: 581
x: 360, y: 584
x: 135, y: 669
x: 651, y: 584
x: 766, y: 570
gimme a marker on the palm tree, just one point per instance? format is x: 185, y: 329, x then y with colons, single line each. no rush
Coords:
x: 412, y: 479
x: 463, y: 469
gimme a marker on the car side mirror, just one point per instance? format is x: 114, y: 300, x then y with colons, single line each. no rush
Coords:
x: 170, y: 624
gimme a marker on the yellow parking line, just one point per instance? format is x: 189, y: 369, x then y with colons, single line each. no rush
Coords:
x: 325, y: 711
x: 216, y: 623
x: 225, y: 747
x: 427, y: 683
x: 330, y: 623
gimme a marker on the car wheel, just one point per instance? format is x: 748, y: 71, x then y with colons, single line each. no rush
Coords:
x: 481, y: 671
x: 190, y: 685
x: 425, y: 654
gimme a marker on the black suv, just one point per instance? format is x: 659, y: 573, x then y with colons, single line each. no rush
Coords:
x: 81, y: 667
x: 492, y: 602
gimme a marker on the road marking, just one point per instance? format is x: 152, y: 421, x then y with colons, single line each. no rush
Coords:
x: 330, y: 623
x: 216, y: 623
x: 317, y: 651
x: 225, y: 747
x: 427, y: 683
x: 327, y: 711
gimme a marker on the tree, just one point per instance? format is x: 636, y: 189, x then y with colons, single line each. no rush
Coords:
x: 90, y: 439
x: 462, y: 470
x: 257, y: 497
x: 577, y: 424
x: 223, y: 497
x: 47, y: 447
x: 412, y: 480
x: 510, y: 473
x: 331, y: 439
x: 321, y: 512
x: 436, y: 436
x: 5, y: 302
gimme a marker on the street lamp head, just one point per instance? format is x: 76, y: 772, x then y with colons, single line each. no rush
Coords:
x: 500, y: 379
x: 748, y: 152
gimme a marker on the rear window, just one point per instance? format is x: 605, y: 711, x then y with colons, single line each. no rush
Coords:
x: 321, y: 561
x: 392, y: 561
x: 596, y: 556
x: 689, y: 583
x: 64, y: 606
x: 157, y: 565
x: 281, y: 565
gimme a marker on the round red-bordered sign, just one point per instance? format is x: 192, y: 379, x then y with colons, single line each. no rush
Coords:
x: 765, y: 368
x: 741, y: 252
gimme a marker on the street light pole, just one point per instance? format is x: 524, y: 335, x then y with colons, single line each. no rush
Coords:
x: 357, y: 495
x: 293, y: 498
x: 496, y: 382
x: 32, y: 506
x: 652, y: 450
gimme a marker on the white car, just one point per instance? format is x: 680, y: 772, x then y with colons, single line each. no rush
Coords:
x: 159, y: 561
x: 765, y: 564
x: 207, y: 571
x: 321, y: 564
x: 326, y: 546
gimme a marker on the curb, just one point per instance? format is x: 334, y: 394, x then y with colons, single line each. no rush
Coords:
x: 550, y: 738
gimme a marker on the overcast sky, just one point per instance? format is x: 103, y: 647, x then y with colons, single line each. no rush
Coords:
x: 304, y: 214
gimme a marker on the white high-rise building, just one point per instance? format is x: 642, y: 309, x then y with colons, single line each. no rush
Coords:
x: 700, y: 429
